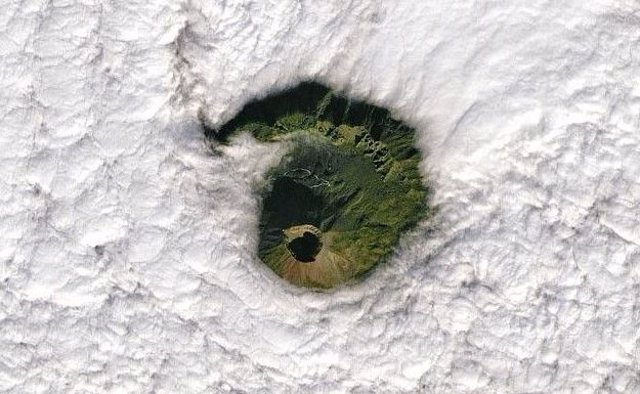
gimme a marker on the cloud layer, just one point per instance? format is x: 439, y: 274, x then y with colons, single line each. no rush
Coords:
x: 128, y: 247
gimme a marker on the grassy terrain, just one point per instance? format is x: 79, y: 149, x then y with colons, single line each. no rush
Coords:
x: 352, y: 173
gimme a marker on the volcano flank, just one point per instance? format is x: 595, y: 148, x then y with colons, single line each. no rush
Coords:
x: 345, y: 191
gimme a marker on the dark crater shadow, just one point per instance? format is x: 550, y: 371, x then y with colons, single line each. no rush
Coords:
x: 305, y: 248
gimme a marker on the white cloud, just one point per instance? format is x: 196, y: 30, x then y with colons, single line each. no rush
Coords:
x: 528, y: 111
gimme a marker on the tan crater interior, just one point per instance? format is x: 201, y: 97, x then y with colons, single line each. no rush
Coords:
x: 324, y: 268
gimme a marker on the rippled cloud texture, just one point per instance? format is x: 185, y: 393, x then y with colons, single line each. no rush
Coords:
x: 127, y: 249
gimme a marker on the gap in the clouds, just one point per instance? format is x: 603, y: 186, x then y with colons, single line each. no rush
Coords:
x: 348, y: 188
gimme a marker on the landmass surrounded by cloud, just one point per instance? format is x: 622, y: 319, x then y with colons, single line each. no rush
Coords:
x: 128, y: 247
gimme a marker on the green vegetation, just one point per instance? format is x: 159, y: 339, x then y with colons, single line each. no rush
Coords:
x: 344, y: 193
